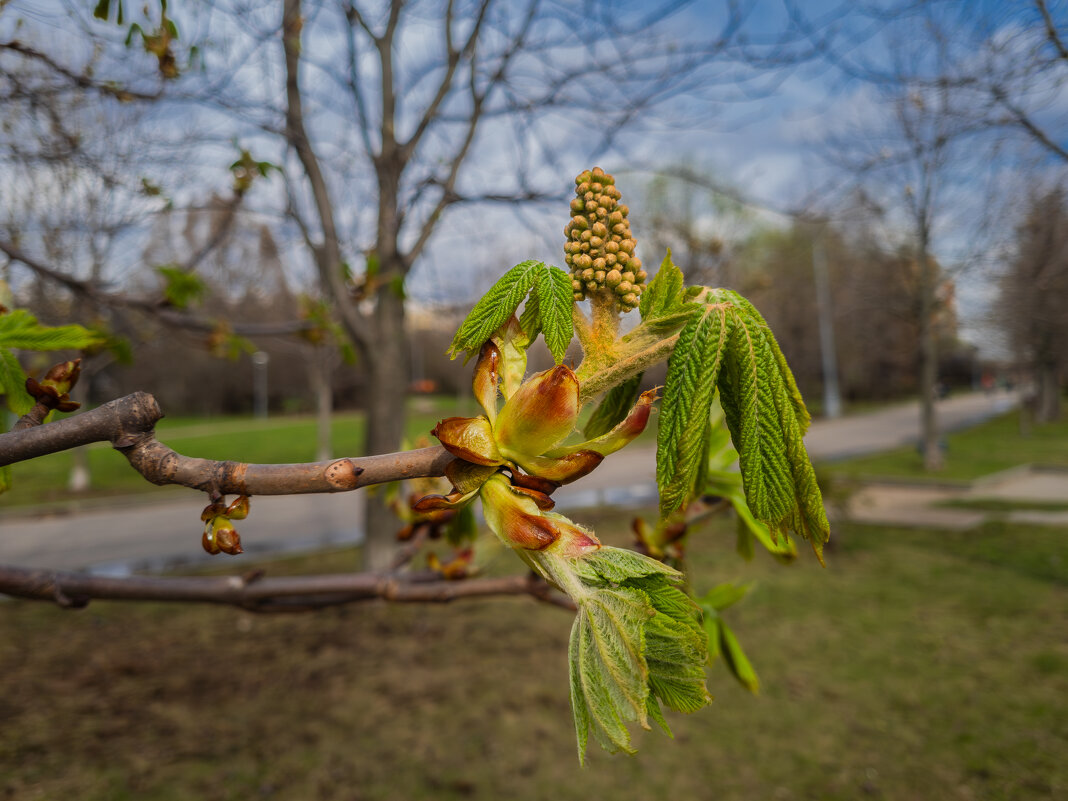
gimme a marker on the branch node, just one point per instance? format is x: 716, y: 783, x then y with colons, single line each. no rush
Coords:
x: 65, y: 601
x: 343, y: 474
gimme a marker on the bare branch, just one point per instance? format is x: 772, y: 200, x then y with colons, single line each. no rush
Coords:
x: 155, y: 308
x: 1052, y: 33
x: 478, y: 101
x: 80, y: 80
x: 1024, y: 121
x: 453, y: 58
x: 129, y: 425
x: 328, y: 254
x: 258, y: 594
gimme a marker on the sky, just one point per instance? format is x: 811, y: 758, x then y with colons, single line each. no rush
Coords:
x: 761, y: 132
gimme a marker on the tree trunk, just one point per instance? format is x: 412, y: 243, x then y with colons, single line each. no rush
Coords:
x: 386, y: 391
x: 1047, y: 393
x: 930, y: 444
x: 319, y: 363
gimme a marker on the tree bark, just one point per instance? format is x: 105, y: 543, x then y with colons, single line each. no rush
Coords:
x: 319, y: 363
x: 930, y: 445
x: 1047, y: 393
x: 388, y: 377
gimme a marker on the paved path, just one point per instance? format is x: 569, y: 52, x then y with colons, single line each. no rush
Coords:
x: 827, y: 440
x: 165, y: 528
x: 916, y: 506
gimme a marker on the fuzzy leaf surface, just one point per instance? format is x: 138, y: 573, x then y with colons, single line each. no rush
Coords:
x: 637, y: 643
x: 727, y: 346
x: 760, y: 407
x: 664, y: 295
x: 555, y: 300
x: 20, y: 329
x: 683, y: 430
x: 495, y: 307
x: 613, y: 408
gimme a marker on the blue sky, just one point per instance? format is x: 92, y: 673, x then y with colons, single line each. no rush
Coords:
x: 760, y: 131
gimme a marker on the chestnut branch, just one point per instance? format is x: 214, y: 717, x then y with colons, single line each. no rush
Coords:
x: 259, y: 594
x: 129, y: 425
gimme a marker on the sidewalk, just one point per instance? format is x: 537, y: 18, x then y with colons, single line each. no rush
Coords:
x: 923, y: 506
x: 163, y: 529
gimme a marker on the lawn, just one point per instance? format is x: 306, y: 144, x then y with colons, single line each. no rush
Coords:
x: 278, y: 439
x: 993, y: 446
x: 916, y: 666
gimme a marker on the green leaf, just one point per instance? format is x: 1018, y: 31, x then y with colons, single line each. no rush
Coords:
x: 181, y: 287
x: 664, y: 295
x: 683, y: 430
x: 724, y: 595
x: 637, y: 643
x: 555, y: 300
x: 711, y: 626
x: 5, y: 478
x: 530, y: 319
x: 760, y: 408
x: 798, y: 402
x: 737, y: 662
x: 608, y: 670
x: 13, y: 384
x: 613, y: 408
x: 675, y: 647
x: 20, y: 329
x: 495, y: 307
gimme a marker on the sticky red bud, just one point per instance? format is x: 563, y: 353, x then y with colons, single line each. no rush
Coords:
x: 486, y: 379
x: 469, y: 438
x: 541, y: 412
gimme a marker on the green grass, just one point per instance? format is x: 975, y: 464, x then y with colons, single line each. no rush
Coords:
x: 916, y: 666
x: 278, y: 439
x: 1005, y: 505
x: 987, y: 448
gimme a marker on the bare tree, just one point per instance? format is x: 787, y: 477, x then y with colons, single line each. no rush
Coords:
x: 914, y: 145
x: 529, y: 87
x: 1034, y: 291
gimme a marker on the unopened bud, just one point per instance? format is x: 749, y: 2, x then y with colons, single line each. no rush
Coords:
x: 238, y: 510
x: 226, y: 536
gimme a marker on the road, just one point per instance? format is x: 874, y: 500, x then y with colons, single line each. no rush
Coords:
x: 120, y: 536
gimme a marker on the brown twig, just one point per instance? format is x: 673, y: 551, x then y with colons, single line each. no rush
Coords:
x: 129, y: 425
x: 150, y: 306
x: 283, y: 594
x: 411, y: 548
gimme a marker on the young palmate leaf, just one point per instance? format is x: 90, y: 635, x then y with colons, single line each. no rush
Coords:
x: 548, y: 310
x: 684, y: 417
x: 767, y: 420
x: 665, y: 294
x: 552, y: 287
x: 495, y: 307
x: 636, y: 643
x: 181, y: 287
x: 20, y: 329
x: 727, y: 345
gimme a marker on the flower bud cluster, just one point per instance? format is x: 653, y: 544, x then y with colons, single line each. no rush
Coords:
x: 600, y: 246
x: 220, y: 536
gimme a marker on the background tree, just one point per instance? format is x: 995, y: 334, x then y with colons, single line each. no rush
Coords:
x: 426, y: 132
x: 1033, y: 293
